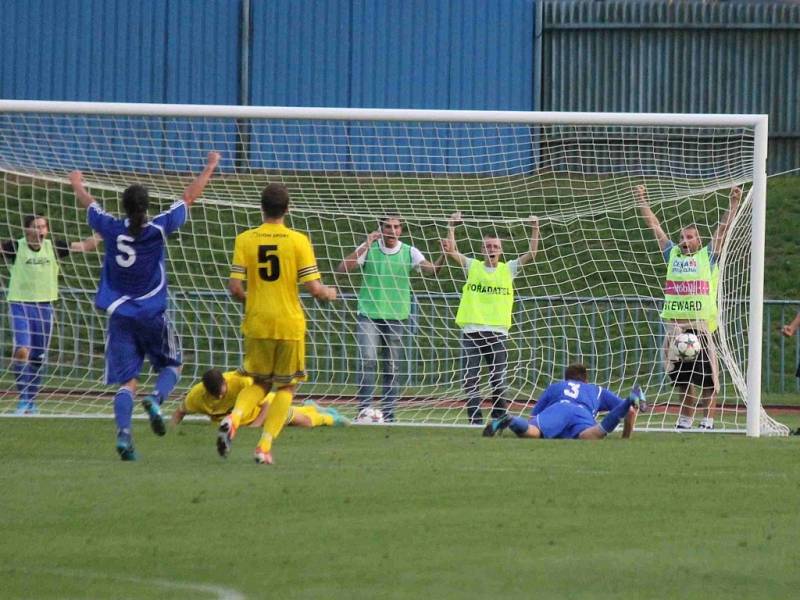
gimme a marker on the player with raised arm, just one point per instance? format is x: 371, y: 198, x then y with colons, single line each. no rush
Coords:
x: 216, y: 393
x: 133, y: 293
x: 384, y: 306
x: 32, y: 290
x: 568, y: 410
x: 690, y: 306
x: 272, y: 259
x: 484, y: 314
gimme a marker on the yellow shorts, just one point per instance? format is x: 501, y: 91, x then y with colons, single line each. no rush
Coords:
x: 282, y: 362
x: 252, y: 415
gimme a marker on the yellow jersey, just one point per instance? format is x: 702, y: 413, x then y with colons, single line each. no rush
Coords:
x: 273, y: 259
x: 199, y: 401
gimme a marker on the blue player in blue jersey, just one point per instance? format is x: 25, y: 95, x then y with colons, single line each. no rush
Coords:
x: 568, y: 410
x: 133, y: 292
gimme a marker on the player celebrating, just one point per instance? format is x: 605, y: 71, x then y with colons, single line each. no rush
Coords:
x: 690, y: 306
x: 133, y: 292
x: 568, y: 410
x: 32, y: 289
x: 272, y: 259
x: 484, y: 314
x: 216, y: 394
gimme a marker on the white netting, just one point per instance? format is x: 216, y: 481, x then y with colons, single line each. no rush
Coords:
x: 592, y: 294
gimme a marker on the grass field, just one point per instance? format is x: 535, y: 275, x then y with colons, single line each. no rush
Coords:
x: 377, y: 512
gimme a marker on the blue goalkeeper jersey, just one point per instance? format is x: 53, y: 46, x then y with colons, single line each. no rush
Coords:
x: 133, y: 281
x: 592, y: 397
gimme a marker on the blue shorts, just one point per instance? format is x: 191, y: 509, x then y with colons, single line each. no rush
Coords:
x: 32, y: 323
x: 563, y: 420
x: 130, y: 339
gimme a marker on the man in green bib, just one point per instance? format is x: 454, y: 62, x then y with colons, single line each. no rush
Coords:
x: 32, y: 289
x: 484, y: 315
x: 384, y: 305
x: 690, y: 306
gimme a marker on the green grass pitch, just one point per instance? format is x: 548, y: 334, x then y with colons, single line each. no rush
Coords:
x: 379, y: 512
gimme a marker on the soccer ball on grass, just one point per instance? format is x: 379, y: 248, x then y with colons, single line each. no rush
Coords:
x: 370, y: 415
x: 688, y: 346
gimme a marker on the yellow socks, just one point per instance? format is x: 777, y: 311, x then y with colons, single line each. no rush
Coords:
x: 317, y: 418
x: 246, y: 402
x: 276, y: 417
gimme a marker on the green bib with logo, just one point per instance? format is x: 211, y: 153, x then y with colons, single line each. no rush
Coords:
x: 690, y: 291
x: 34, y: 274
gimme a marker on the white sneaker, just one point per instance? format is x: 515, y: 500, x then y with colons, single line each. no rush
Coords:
x: 684, y: 423
x: 707, y: 423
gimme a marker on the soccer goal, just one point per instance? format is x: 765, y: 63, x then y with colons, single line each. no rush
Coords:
x: 593, y: 292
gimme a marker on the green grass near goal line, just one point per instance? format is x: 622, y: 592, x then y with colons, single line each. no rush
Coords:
x: 376, y: 512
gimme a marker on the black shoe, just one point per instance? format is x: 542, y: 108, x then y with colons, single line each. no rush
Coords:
x: 497, y: 425
x: 153, y: 410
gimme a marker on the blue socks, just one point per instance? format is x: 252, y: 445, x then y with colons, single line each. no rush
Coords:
x: 518, y: 425
x: 167, y: 379
x: 612, y: 419
x: 123, y: 408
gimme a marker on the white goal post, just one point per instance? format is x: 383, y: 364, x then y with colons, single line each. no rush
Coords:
x: 591, y: 294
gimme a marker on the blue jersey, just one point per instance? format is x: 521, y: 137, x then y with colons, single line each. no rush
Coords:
x: 590, y: 396
x: 133, y: 281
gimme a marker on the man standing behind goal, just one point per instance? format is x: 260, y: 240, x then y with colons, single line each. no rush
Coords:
x: 32, y: 290
x: 272, y: 259
x: 384, y: 305
x: 690, y: 306
x: 484, y: 315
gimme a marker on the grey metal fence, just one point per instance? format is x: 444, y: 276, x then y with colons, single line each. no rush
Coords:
x: 624, y: 336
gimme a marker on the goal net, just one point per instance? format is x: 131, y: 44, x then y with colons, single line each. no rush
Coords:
x: 592, y: 294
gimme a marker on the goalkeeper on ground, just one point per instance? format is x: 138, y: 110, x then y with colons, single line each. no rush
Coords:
x: 568, y: 410
x: 215, y: 395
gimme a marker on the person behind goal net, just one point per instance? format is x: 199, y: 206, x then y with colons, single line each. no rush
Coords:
x: 690, y: 306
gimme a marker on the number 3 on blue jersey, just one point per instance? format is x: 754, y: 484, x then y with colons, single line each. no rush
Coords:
x: 123, y: 248
x: 573, y: 391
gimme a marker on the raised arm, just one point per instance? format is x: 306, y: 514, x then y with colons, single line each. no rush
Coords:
x: 727, y: 219
x: 84, y: 198
x: 649, y: 217
x: 86, y: 245
x: 350, y: 261
x: 788, y: 330
x: 432, y: 268
x: 195, y: 189
x: 533, y: 245
x: 449, y: 246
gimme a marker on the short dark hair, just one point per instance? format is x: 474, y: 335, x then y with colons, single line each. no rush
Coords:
x: 135, y: 200
x: 28, y: 220
x: 577, y: 372
x: 389, y: 217
x: 275, y: 200
x: 213, y: 382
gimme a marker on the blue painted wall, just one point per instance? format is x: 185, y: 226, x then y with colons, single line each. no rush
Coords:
x: 457, y: 54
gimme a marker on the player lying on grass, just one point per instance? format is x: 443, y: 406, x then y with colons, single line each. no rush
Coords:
x: 568, y: 410
x: 215, y: 395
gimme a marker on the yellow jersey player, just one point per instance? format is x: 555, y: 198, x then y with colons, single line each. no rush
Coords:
x: 216, y: 394
x: 272, y: 259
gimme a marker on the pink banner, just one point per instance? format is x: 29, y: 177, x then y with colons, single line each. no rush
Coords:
x: 686, y: 288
